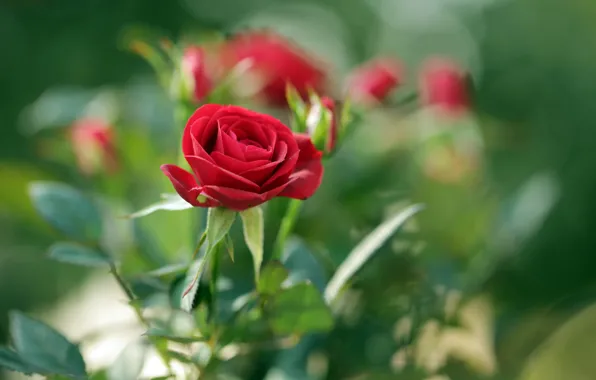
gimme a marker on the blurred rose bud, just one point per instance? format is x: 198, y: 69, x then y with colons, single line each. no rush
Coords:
x: 194, y: 64
x: 372, y: 82
x: 443, y: 85
x: 93, y: 146
x: 274, y: 63
x: 332, y: 132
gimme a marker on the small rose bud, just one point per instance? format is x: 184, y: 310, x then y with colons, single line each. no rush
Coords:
x: 443, y: 85
x: 194, y: 65
x: 372, y: 82
x: 93, y: 146
x: 332, y: 132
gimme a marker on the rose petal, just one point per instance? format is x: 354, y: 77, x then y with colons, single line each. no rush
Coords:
x: 190, y: 132
x: 186, y: 185
x: 252, y: 153
x: 232, y: 198
x: 235, y: 165
x: 262, y: 173
x: 282, y: 174
x: 210, y: 174
x: 231, y: 147
x: 308, y: 174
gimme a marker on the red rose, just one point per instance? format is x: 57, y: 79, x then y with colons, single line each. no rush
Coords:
x: 93, y: 146
x: 242, y: 158
x: 373, y: 81
x: 275, y: 62
x: 194, y: 64
x: 442, y: 84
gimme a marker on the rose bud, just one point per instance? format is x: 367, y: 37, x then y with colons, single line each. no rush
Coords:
x: 240, y: 159
x: 194, y: 65
x: 332, y: 133
x: 372, y: 82
x: 275, y: 63
x: 443, y: 85
x: 93, y: 145
x: 323, y: 130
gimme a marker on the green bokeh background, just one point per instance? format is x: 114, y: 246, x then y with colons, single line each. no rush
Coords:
x: 533, y: 64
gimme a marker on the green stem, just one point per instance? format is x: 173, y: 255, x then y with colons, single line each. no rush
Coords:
x: 287, y: 225
x: 131, y: 298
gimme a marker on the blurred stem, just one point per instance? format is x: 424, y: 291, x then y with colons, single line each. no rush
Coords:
x: 287, y: 225
x: 132, y: 298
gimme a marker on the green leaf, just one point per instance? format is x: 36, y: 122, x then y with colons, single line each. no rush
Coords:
x: 74, y: 253
x: 299, y: 309
x: 302, y: 264
x: 45, y: 348
x: 13, y: 362
x: 252, y: 226
x: 219, y: 222
x: 170, y: 202
x: 298, y: 108
x: 66, y: 209
x: 365, y: 250
x: 318, y: 121
x: 272, y: 276
x: 230, y: 247
x: 130, y: 362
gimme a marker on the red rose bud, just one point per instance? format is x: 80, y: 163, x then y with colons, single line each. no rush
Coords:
x: 443, y: 85
x: 93, y: 145
x: 372, y: 82
x: 240, y: 159
x: 332, y: 132
x: 276, y: 63
x: 194, y: 65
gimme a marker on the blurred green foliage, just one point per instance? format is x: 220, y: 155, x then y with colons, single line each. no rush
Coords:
x: 532, y: 63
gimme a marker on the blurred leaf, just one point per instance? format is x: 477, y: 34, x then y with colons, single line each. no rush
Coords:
x: 174, y: 325
x: 170, y: 202
x: 365, y: 250
x: 272, y: 276
x: 13, y: 362
x: 302, y: 265
x: 252, y: 226
x: 164, y: 334
x: 230, y: 247
x: 66, y: 209
x: 168, y: 270
x: 130, y: 361
x: 45, y: 348
x: 298, y: 109
x: 74, y: 253
x: 299, y: 309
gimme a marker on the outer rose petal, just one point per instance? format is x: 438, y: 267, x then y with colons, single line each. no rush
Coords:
x: 308, y: 174
x: 186, y: 185
x: 212, y: 175
x: 205, y: 111
x: 234, y: 199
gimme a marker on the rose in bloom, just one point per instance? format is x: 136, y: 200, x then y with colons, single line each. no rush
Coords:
x: 372, y: 82
x: 240, y: 159
x: 195, y: 66
x: 443, y: 84
x: 276, y: 63
x: 93, y: 146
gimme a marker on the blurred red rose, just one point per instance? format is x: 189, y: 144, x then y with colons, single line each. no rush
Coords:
x: 275, y: 62
x: 443, y: 85
x: 242, y: 158
x: 194, y: 63
x: 372, y: 82
x: 93, y: 145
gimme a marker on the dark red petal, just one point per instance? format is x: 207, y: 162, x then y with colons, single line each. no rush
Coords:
x: 211, y: 175
x: 194, y: 126
x: 232, y: 198
x: 282, y: 173
x: 262, y: 173
x: 231, y: 147
x: 308, y: 174
x: 252, y: 153
x: 185, y: 185
x: 234, y: 165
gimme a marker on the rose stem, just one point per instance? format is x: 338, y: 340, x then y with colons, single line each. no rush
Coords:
x: 287, y: 225
x: 131, y: 297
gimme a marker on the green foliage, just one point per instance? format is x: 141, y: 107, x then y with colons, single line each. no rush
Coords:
x: 41, y: 349
x: 272, y: 277
x: 67, y: 210
x: 252, y: 226
x: 129, y: 363
x: 299, y: 309
x: 77, y: 254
